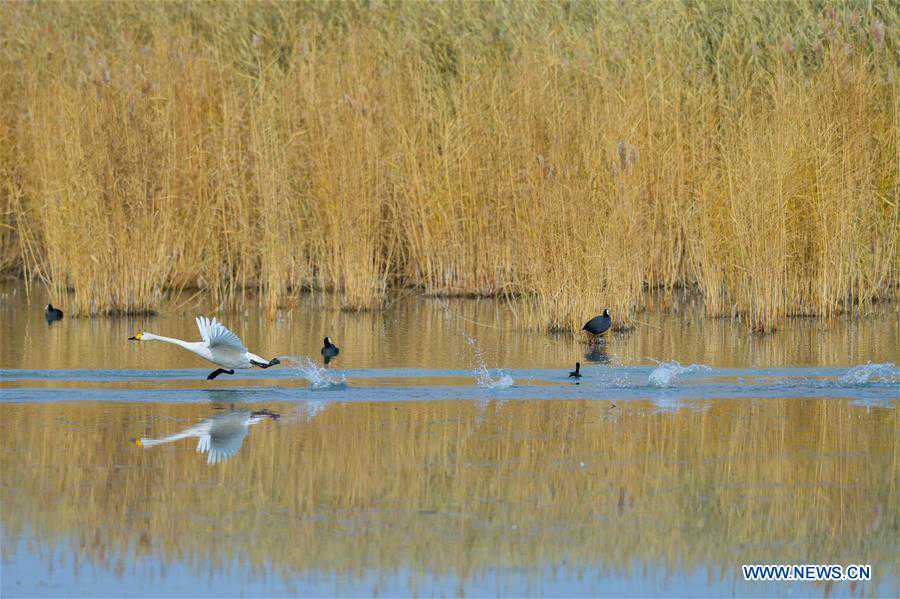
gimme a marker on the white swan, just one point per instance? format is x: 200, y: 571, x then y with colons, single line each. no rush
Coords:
x: 220, y: 436
x: 220, y: 346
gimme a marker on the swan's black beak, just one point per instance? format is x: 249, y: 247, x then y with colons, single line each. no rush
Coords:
x: 132, y: 338
x: 274, y: 361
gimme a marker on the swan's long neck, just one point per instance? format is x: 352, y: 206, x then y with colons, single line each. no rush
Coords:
x: 182, y: 435
x: 189, y: 345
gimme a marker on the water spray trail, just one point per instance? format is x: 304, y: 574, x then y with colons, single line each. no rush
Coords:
x: 318, y: 377
x: 870, y: 373
x: 666, y: 373
x: 485, y: 377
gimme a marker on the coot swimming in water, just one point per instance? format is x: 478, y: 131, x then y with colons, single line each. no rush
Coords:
x: 52, y: 314
x: 329, y: 350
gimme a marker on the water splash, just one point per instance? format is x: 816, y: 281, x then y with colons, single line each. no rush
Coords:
x: 666, y: 373
x: 492, y: 379
x: 870, y: 373
x: 489, y: 378
x: 318, y: 377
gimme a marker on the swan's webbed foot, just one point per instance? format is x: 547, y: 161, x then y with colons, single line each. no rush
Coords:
x: 217, y: 372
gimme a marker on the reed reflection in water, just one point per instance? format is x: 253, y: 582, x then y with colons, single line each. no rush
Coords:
x: 433, y: 334
x: 464, y: 491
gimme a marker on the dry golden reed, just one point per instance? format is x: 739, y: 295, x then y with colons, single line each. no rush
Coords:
x: 579, y: 155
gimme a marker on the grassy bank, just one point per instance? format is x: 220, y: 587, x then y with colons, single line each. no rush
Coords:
x: 578, y: 154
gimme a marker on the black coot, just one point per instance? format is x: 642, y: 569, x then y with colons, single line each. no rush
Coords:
x: 329, y: 350
x: 576, y: 374
x: 598, y: 324
x: 52, y: 314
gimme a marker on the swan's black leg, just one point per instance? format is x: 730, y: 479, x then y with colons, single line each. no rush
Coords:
x: 217, y: 372
x: 271, y: 362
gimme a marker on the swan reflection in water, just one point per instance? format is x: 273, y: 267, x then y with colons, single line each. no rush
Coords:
x: 220, y: 437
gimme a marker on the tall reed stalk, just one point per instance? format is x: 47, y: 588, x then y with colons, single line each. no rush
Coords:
x: 577, y: 155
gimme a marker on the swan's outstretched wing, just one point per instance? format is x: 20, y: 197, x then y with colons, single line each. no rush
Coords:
x: 217, y: 335
x: 222, y: 445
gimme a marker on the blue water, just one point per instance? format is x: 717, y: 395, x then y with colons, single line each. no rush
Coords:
x: 32, y: 567
x: 426, y: 374
x: 878, y: 384
x: 52, y: 576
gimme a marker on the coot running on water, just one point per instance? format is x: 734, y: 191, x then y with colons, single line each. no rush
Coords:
x: 576, y: 374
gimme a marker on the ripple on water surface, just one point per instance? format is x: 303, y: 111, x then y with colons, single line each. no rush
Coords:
x: 393, y: 497
x: 877, y: 384
x: 435, y: 464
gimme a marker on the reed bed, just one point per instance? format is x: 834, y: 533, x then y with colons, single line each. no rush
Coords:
x: 577, y: 155
x: 448, y: 488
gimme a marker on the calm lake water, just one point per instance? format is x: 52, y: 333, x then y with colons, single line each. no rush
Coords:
x: 444, y: 453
